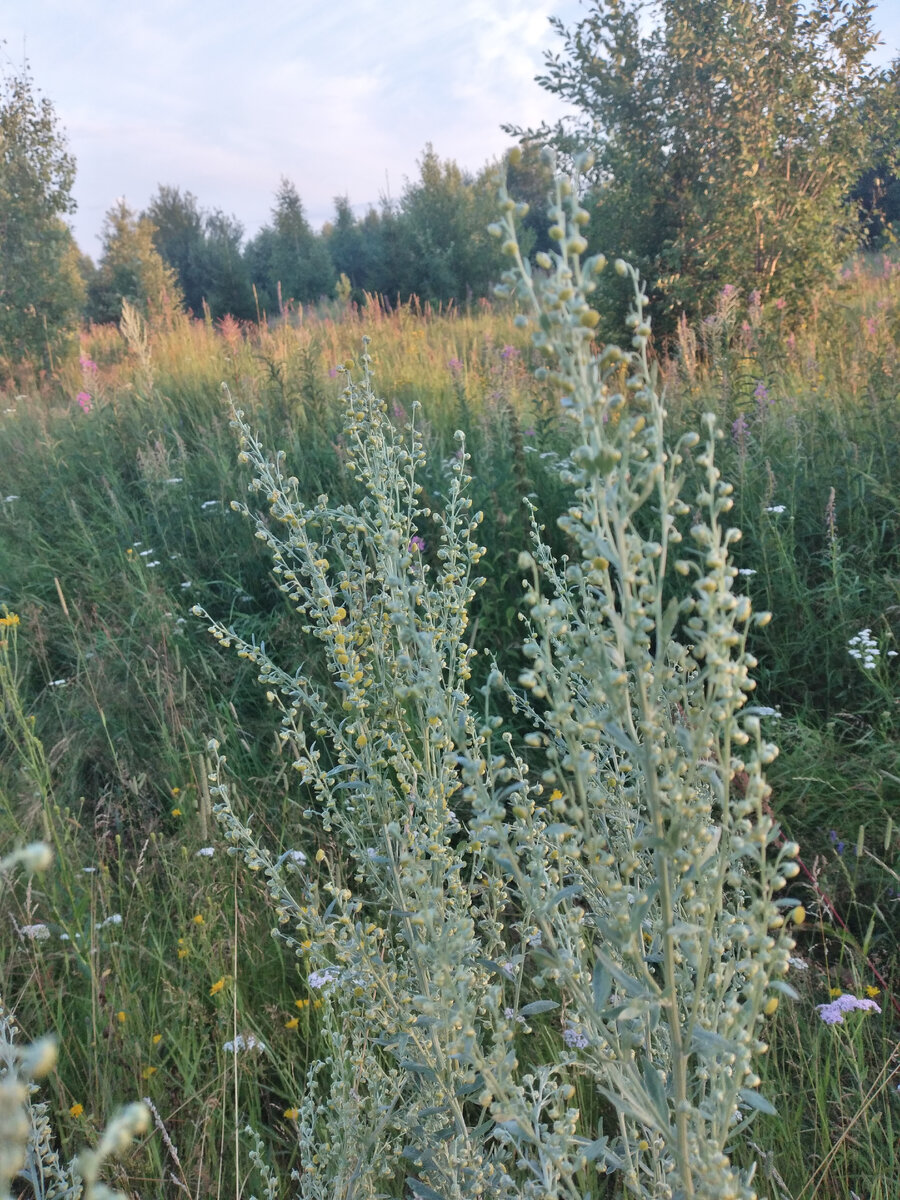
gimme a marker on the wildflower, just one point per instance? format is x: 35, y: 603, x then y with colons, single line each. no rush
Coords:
x: 746, y: 571
x: 9, y: 621
x: 209, y: 503
x: 872, y: 991
x: 292, y: 1023
x: 35, y: 933
x: 509, y: 352
x: 250, y: 1042
x: 416, y: 543
x: 511, y: 1015
x: 76, y: 1110
x: 174, y: 479
x: 185, y: 585
x: 176, y: 812
x: 775, y: 508
x: 84, y: 400
x: 320, y: 855
x: 761, y: 394
x: 454, y: 364
x: 217, y: 986
x: 332, y: 372
x: 781, y: 303
x: 147, y: 1072
x: 728, y: 291
x: 205, y: 852
x: 574, y: 1039
x: 740, y: 429
x: 198, y: 919
x: 121, y: 1016
x: 9, y: 499
x: 798, y: 964
x: 301, y: 1004
x: 833, y: 1013
x: 291, y: 1113
x: 555, y: 795
x: 836, y: 842
x: 864, y: 649
x: 156, y: 1039
x: 319, y: 979
x: 835, y: 992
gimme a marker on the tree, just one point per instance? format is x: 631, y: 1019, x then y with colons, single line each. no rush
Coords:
x: 286, y: 260
x: 726, y: 138
x: 178, y: 238
x: 131, y: 269
x: 41, y: 289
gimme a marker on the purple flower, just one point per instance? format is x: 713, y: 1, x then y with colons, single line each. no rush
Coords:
x: 332, y: 372
x: 454, y: 364
x: 416, y: 543
x: 836, y: 842
x: 728, y: 291
x: 509, y: 352
x: 739, y: 428
x: 833, y: 1013
x: 761, y: 394
x: 872, y: 325
x: 780, y: 303
x: 84, y: 399
x: 87, y: 364
x: 530, y: 433
x: 574, y: 1039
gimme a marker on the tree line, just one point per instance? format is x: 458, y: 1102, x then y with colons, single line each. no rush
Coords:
x: 748, y: 142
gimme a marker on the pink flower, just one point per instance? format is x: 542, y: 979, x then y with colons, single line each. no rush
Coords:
x: 88, y: 364
x: 780, y: 303
x: 416, y: 543
x: 84, y: 399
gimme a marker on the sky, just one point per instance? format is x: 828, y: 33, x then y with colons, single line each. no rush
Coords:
x: 222, y: 98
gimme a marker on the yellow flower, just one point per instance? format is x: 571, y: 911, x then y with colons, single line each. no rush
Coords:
x: 176, y: 791
x: 320, y: 856
x: 217, y: 986
x: 872, y: 991
x: 147, y: 1072
x: 301, y: 1004
x: 76, y: 1110
x: 183, y: 952
x: 198, y: 919
x: 292, y: 1023
x: 556, y: 794
x: 835, y: 992
x: 121, y: 1016
x: 10, y: 620
x: 292, y: 1113
x: 156, y: 1039
x: 176, y: 812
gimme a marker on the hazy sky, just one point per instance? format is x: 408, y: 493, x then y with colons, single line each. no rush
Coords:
x: 223, y: 98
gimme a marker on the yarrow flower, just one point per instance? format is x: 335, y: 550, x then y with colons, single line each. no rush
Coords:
x: 35, y: 933
x: 319, y: 979
x: 775, y: 508
x: 250, y: 1042
x: 833, y: 1013
x: 574, y: 1039
x: 205, y: 852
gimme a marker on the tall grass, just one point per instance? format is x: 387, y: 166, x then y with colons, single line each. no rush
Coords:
x: 124, y: 693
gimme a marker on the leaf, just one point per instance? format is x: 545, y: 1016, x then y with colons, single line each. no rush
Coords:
x: 418, y: 1069
x: 421, y: 1190
x: 601, y: 985
x: 538, y: 1006
x: 566, y: 893
x: 656, y: 1092
x: 760, y: 1103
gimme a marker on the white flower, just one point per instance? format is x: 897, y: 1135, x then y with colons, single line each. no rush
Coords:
x: 35, y: 933
x: 574, y: 1039
x: 208, y: 503
x: 205, y: 852
x: 175, y: 479
x: 155, y: 563
x: 185, y: 585
x: 144, y: 553
x: 58, y: 682
x: 320, y: 979
x: 9, y: 499
x: 799, y: 964
x: 746, y: 571
x: 775, y: 508
x: 113, y: 919
x: 250, y: 1042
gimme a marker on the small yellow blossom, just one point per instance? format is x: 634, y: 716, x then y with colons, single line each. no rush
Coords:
x: 301, y: 1004
x: 872, y: 991
x: 292, y: 1113
x: 121, y: 1016
x: 320, y: 856
x: 556, y: 794
x: 176, y: 812
x: 292, y: 1023
x: 835, y: 992
x: 217, y: 986
x: 9, y: 621
x: 198, y: 919
x: 147, y: 1072
x: 183, y: 952
x: 156, y: 1039
x: 176, y: 791
x: 76, y: 1110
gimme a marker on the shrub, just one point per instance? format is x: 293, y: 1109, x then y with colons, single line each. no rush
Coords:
x: 545, y: 958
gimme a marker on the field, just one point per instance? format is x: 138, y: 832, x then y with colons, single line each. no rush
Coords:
x: 147, y: 948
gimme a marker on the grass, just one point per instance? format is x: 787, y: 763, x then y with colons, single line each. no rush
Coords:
x: 121, y: 522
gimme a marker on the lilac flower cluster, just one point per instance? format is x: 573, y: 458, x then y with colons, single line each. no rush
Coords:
x: 833, y: 1013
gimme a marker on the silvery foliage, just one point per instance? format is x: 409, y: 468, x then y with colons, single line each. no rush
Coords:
x: 611, y: 878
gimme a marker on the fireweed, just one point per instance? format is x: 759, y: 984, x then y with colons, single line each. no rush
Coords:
x: 503, y: 928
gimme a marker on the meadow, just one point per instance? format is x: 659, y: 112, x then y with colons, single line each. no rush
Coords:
x: 147, y: 948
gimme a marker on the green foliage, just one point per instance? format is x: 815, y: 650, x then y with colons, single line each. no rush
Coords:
x: 41, y: 290
x: 131, y: 269
x: 727, y: 137
x: 286, y: 260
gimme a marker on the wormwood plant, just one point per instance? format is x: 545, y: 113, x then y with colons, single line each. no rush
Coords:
x: 548, y: 960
